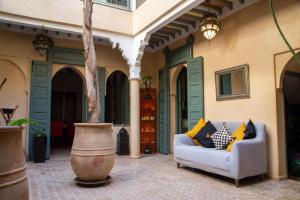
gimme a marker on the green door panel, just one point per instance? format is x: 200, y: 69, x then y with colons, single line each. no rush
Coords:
x: 125, y: 102
x: 164, y: 135
x: 101, y: 83
x: 40, y: 102
x: 195, y: 91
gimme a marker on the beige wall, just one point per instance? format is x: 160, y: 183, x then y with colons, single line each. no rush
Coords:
x: 249, y: 36
x: 68, y: 13
x: 150, y: 11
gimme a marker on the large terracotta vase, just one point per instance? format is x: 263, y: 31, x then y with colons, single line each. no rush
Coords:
x: 93, y: 153
x: 13, y: 176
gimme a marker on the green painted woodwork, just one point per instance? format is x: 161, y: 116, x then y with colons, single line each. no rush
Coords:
x: 66, y: 56
x: 101, y: 84
x: 178, y: 110
x: 164, y: 132
x: 40, y: 102
x: 177, y: 56
x: 125, y: 113
x: 195, y: 91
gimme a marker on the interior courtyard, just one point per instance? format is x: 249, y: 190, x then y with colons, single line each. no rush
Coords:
x: 162, y: 67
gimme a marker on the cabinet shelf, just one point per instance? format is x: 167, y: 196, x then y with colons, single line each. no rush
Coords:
x: 148, y: 119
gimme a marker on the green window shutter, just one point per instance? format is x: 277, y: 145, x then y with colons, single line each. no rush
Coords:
x: 226, y: 84
x: 195, y: 91
x: 164, y: 135
x: 101, y: 83
x: 125, y: 102
x: 40, y: 102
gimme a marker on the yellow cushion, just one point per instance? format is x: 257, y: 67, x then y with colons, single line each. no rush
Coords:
x: 191, y: 133
x: 237, y: 135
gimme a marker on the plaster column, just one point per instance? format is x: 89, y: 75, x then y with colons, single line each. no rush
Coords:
x: 134, y: 136
x: 172, y: 120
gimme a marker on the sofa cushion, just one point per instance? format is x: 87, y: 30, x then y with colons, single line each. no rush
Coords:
x: 220, y: 159
x: 250, y: 131
x: 237, y: 135
x: 221, y: 138
x: 191, y: 133
x: 203, y: 136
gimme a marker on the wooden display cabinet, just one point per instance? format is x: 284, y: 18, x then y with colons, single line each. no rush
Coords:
x: 148, y: 120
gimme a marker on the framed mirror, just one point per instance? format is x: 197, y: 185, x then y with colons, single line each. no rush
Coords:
x: 233, y: 83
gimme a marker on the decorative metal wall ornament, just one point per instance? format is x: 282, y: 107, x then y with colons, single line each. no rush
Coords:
x: 42, y: 43
x: 210, y: 26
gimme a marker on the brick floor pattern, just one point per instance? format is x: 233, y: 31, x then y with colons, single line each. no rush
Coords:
x: 152, y: 177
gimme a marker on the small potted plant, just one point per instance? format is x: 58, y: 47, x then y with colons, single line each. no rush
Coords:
x: 39, y: 146
x: 147, y: 79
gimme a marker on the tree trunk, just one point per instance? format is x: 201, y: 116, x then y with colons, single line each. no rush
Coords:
x: 90, y: 64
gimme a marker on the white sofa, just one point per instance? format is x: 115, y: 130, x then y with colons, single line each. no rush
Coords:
x: 247, y: 158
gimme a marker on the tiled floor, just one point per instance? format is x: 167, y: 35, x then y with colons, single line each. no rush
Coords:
x: 151, y: 177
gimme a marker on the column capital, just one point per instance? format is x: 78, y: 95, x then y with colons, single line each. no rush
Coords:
x: 135, y: 72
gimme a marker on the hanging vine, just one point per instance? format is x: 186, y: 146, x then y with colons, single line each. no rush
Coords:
x: 296, y: 56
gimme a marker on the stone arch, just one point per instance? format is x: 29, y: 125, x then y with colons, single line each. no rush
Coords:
x: 283, y: 61
x: 174, y: 73
x: 25, y: 79
x: 14, y: 92
x: 75, y: 69
x: 119, y: 93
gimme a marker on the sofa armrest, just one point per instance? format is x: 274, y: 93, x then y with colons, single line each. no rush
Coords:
x: 249, y: 158
x: 180, y: 139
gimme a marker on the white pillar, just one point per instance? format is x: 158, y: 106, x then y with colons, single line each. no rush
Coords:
x: 134, y: 136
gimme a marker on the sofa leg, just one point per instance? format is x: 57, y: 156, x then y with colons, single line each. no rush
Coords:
x: 262, y: 176
x: 178, y: 165
x: 237, y: 182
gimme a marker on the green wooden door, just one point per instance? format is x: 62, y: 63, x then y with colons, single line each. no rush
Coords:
x: 101, y: 83
x: 195, y: 91
x: 125, y: 102
x: 164, y: 135
x: 40, y: 102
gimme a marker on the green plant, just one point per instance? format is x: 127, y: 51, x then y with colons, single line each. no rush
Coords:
x: 146, y: 78
x: 21, y: 122
x: 296, y: 56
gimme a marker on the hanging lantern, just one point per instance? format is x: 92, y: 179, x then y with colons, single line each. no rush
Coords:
x: 210, y: 26
x: 42, y: 43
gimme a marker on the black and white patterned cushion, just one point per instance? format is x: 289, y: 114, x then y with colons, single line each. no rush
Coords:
x: 221, y: 138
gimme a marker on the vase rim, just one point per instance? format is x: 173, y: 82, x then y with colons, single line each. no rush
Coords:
x: 93, y: 124
x: 10, y: 128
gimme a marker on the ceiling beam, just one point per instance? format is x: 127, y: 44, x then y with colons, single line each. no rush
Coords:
x: 195, y: 14
x: 171, y: 30
x: 161, y: 37
x: 161, y: 32
x: 191, y: 17
x: 201, y: 11
x: 184, y: 27
x: 228, y: 3
x: 185, y: 21
x: 217, y: 9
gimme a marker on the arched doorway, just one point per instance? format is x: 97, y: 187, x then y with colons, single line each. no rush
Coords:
x: 291, y: 92
x: 66, y: 106
x: 181, y: 101
x: 117, y: 98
